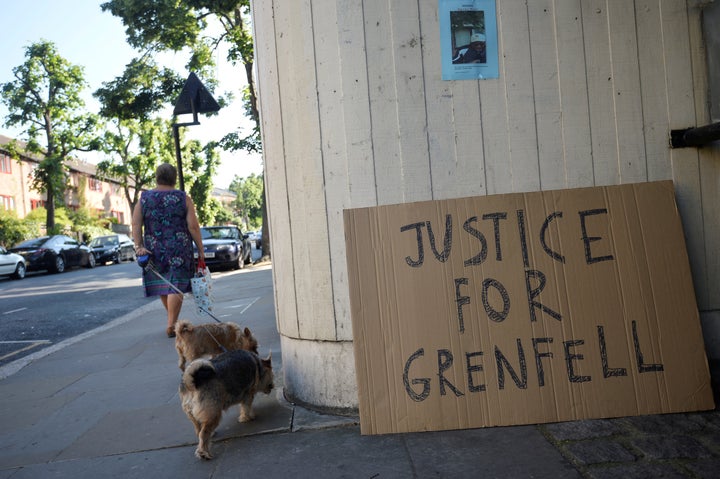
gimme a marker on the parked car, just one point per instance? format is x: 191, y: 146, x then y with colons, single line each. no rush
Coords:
x: 54, y: 253
x: 225, y: 247
x: 254, y: 237
x: 12, y: 264
x: 115, y: 248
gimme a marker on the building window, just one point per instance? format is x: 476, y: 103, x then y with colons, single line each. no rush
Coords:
x: 95, y: 184
x: 35, y: 204
x: 119, y: 216
x: 5, y: 164
x: 8, y: 202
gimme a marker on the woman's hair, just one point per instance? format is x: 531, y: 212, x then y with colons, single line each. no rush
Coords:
x: 166, y: 174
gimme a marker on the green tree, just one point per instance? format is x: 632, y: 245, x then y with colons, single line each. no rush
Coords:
x: 12, y: 229
x: 249, y: 200
x: 44, y: 99
x: 62, y: 220
x: 135, y: 148
x: 135, y: 142
x: 201, y: 26
x: 203, y: 163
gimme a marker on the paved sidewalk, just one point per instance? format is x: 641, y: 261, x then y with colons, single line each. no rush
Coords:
x: 106, y: 405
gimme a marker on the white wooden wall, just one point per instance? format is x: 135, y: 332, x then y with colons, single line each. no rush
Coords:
x: 354, y: 113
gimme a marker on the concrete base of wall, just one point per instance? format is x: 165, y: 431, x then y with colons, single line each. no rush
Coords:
x: 320, y: 375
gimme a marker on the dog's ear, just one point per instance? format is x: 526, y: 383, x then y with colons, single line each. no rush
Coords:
x: 268, y: 361
x: 247, y: 332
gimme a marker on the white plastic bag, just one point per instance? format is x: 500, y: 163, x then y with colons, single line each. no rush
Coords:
x: 202, y: 290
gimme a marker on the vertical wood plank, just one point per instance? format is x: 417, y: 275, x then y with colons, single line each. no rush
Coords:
x: 304, y: 169
x: 627, y: 103
x: 493, y: 105
x: 654, y: 94
x: 520, y: 106
x: 600, y: 93
x: 409, y: 88
x: 576, y: 136
x: 545, y: 80
x: 383, y: 102
x: 334, y: 154
x: 274, y: 161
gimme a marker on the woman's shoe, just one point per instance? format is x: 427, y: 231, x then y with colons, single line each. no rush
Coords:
x: 170, y: 332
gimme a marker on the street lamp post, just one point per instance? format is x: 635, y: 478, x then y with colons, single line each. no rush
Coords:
x: 194, y: 98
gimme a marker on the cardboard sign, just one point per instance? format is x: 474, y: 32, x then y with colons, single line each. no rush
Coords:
x: 523, y: 309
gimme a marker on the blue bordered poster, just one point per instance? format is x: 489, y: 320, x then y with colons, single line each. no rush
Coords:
x: 468, y: 39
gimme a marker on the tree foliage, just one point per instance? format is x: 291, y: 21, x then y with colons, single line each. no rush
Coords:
x: 44, y: 99
x: 142, y: 90
x: 135, y: 148
x: 12, y: 229
x: 200, y: 26
x: 249, y: 200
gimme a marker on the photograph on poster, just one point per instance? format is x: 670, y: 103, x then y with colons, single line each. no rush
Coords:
x: 468, y: 37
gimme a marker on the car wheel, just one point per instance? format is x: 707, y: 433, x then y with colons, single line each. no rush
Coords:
x: 59, y: 266
x: 91, y: 261
x: 240, y: 263
x: 19, y: 271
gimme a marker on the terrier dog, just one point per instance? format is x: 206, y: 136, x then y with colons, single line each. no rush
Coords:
x: 210, y: 386
x: 194, y: 342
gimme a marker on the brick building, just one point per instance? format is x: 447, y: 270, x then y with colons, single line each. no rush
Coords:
x: 106, y: 197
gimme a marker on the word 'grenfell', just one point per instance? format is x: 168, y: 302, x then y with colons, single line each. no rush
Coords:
x: 496, y: 218
x: 571, y: 356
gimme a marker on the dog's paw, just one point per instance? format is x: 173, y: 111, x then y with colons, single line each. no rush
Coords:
x: 201, y: 454
x: 246, y: 417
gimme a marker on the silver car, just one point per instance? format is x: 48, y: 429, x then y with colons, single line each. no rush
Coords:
x: 12, y: 264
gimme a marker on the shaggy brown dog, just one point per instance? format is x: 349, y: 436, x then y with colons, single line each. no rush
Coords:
x: 210, y: 386
x: 193, y: 342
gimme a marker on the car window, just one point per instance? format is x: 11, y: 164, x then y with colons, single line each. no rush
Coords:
x: 219, y: 233
x: 3, y: 250
x: 32, y: 243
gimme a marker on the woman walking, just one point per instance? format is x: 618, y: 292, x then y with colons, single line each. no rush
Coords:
x: 164, y: 225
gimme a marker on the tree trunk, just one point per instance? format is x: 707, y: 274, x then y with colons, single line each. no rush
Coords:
x: 50, y: 207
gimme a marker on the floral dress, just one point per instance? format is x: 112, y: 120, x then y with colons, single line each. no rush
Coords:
x: 167, y: 236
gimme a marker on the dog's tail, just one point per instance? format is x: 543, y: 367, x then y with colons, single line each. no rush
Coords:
x: 198, y: 373
x: 183, y: 326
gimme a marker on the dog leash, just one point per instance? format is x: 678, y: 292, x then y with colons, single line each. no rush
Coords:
x: 147, y: 265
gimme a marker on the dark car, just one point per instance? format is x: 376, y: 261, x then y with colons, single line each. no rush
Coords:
x: 54, y: 253
x: 11, y: 264
x: 225, y: 247
x: 115, y: 248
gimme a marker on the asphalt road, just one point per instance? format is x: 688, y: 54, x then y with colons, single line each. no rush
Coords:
x: 44, y: 309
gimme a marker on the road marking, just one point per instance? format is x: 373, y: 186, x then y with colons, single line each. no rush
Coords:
x: 14, y: 310
x: 31, y: 345
x: 245, y: 306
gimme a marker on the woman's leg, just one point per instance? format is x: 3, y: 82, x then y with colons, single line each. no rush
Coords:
x: 174, y: 305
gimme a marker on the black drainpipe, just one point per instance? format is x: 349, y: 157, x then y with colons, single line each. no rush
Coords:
x: 699, y: 136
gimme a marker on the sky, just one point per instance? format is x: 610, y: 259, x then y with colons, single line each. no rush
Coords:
x: 86, y: 36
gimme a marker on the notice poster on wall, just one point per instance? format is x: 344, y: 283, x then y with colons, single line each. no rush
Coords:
x: 468, y: 39
x: 524, y: 308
